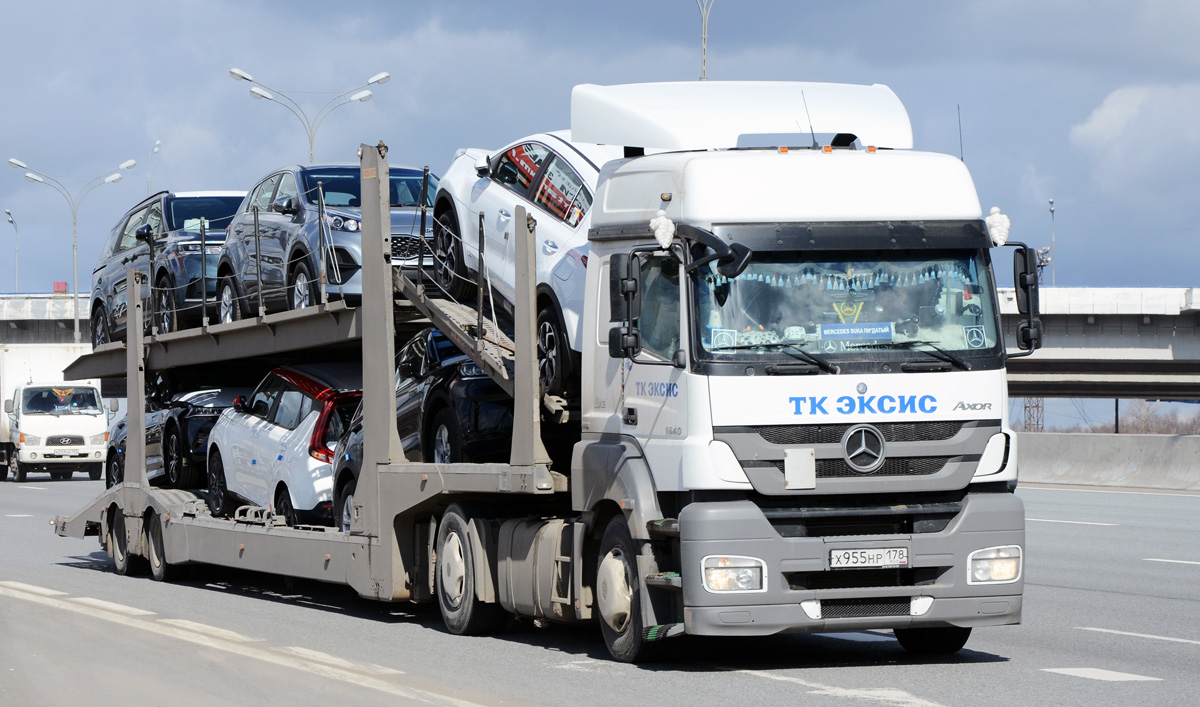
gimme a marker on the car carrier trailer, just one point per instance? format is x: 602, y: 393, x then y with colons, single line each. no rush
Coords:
x: 686, y: 508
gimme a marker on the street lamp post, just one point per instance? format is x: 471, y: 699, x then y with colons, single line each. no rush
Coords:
x: 705, y: 8
x: 261, y: 91
x: 73, y: 200
x: 157, y: 144
x: 17, y: 254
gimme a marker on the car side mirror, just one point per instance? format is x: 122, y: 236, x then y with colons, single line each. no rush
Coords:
x: 405, y: 370
x: 624, y: 342
x: 285, y: 205
x: 144, y: 232
x: 114, y: 405
x: 624, y: 295
x: 8, y: 406
x: 1025, y: 280
x: 482, y: 165
x: 1029, y: 334
x: 239, y: 403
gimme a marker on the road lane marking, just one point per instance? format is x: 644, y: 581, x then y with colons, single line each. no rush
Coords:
x: 21, y: 586
x: 110, y: 606
x: 1098, y: 674
x: 17, y: 515
x: 1036, y: 487
x: 213, y: 631
x: 319, y: 657
x: 247, y: 650
x: 1177, y: 562
x: 31, y: 488
x: 883, y: 695
x: 1072, y: 522
x: 1139, y: 635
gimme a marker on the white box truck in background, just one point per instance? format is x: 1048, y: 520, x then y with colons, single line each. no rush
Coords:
x: 49, y: 425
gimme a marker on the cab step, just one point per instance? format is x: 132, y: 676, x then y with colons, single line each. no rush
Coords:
x: 665, y: 580
x: 667, y: 527
x: 662, y: 632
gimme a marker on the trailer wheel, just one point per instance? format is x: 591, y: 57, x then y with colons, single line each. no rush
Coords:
x: 219, y: 503
x: 933, y: 641
x: 172, y: 453
x: 160, y: 569
x: 619, y: 597
x: 118, y: 541
x: 343, y: 508
x: 462, y: 611
x: 283, y: 506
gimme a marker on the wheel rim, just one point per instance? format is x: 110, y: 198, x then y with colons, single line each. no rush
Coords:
x: 216, y: 484
x: 300, y: 293
x: 226, y: 305
x: 445, y: 266
x: 172, y: 460
x: 454, y: 570
x: 547, y: 341
x: 164, y: 307
x: 283, y: 508
x: 156, y: 543
x: 441, y: 445
x: 347, y: 511
x: 614, y: 595
x: 118, y: 532
x: 99, y: 329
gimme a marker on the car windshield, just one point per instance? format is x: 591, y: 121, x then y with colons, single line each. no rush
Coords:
x: 846, y: 306
x: 60, y: 400
x: 187, y: 213
x: 341, y: 185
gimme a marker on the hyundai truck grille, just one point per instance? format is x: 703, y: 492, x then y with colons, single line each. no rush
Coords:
x: 64, y: 441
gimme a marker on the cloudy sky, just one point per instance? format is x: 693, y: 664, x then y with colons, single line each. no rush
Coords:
x: 1092, y: 103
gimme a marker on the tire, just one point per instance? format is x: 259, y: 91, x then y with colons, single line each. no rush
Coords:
x: 172, y: 459
x: 343, y: 505
x: 462, y: 611
x: 219, y: 501
x: 445, y: 444
x: 619, y: 596
x: 4, y: 468
x: 284, y: 508
x: 114, y: 473
x: 229, y: 307
x: 166, y: 316
x: 933, y: 641
x: 449, y: 270
x: 160, y: 569
x: 56, y: 476
x: 95, y: 471
x: 554, y: 353
x: 125, y: 563
x: 301, y: 288
x: 20, y: 472
x: 101, y: 334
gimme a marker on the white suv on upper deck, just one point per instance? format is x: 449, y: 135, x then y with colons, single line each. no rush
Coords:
x: 554, y: 178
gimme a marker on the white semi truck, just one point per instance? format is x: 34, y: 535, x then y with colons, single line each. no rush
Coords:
x: 792, y: 417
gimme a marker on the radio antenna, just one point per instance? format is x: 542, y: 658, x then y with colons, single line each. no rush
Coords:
x: 960, y: 144
x: 815, y: 146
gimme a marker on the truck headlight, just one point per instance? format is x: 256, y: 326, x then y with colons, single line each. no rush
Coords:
x: 994, y: 565
x: 731, y: 573
x: 31, y: 440
x: 98, y: 439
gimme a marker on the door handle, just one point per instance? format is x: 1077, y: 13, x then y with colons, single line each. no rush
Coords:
x: 504, y: 213
x: 237, y: 229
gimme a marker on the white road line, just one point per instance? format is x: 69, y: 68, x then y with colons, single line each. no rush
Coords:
x: 110, y: 606
x: 1139, y: 635
x: 1098, y: 674
x: 213, y: 631
x: 884, y: 695
x: 1072, y: 522
x: 21, y: 586
x: 1177, y: 562
x: 17, y: 515
x: 318, y: 656
x: 1114, y: 491
x: 31, y: 488
x: 247, y: 650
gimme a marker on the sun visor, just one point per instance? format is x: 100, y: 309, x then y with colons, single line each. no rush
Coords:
x: 697, y: 115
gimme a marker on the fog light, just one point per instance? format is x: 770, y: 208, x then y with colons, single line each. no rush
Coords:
x: 995, y: 565
x: 730, y: 573
x: 97, y: 455
x: 33, y: 455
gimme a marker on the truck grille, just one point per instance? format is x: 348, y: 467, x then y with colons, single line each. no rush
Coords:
x: 857, y: 608
x: 892, y: 466
x: 64, y: 441
x: 861, y: 515
x: 864, y: 579
x: 832, y: 434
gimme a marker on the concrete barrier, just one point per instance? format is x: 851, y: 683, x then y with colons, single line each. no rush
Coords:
x: 1131, y: 461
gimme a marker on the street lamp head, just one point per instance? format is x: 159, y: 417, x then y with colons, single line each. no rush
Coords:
x: 362, y: 96
x: 257, y: 92
x: 114, y: 177
x: 14, y: 162
x: 127, y: 164
x: 381, y: 77
x: 31, y: 177
x: 239, y: 75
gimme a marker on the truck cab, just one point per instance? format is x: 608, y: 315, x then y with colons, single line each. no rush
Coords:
x: 56, y: 428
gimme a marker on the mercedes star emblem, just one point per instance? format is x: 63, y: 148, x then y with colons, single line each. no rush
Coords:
x: 863, y: 446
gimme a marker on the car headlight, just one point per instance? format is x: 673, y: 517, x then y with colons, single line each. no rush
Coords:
x: 98, y: 439
x: 469, y: 369
x: 31, y: 440
x: 340, y: 223
x: 194, y: 247
x: 994, y: 565
x: 731, y: 573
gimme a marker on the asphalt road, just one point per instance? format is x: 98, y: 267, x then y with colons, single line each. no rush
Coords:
x: 1112, y: 617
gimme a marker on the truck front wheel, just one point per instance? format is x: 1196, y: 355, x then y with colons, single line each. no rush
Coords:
x: 619, y: 597
x: 932, y: 641
x: 462, y: 611
x: 19, y: 472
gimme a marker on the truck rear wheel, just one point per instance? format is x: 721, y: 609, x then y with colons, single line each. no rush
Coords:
x: 619, y: 596
x: 462, y: 611
x: 118, y: 543
x: 160, y: 569
x: 932, y: 641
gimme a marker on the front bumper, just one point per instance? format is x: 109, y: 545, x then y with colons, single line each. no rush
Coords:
x: 802, y: 593
x: 49, y: 456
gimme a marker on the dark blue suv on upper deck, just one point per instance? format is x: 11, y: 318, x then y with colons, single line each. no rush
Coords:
x: 280, y: 260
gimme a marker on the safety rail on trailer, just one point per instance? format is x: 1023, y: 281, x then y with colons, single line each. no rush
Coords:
x: 386, y: 554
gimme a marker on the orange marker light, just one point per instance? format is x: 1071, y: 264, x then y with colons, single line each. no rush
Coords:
x: 870, y: 148
x: 828, y: 148
x: 783, y: 149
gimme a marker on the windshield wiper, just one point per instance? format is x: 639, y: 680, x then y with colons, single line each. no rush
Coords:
x: 914, y: 366
x: 791, y: 350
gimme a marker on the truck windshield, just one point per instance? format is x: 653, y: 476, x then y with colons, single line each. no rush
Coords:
x: 55, y: 400
x: 844, y: 306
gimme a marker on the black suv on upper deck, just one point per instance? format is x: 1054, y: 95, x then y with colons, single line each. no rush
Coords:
x: 169, y: 225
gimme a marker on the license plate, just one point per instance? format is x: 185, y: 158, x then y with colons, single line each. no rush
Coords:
x: 869, y: 557
x: 67, y: 452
